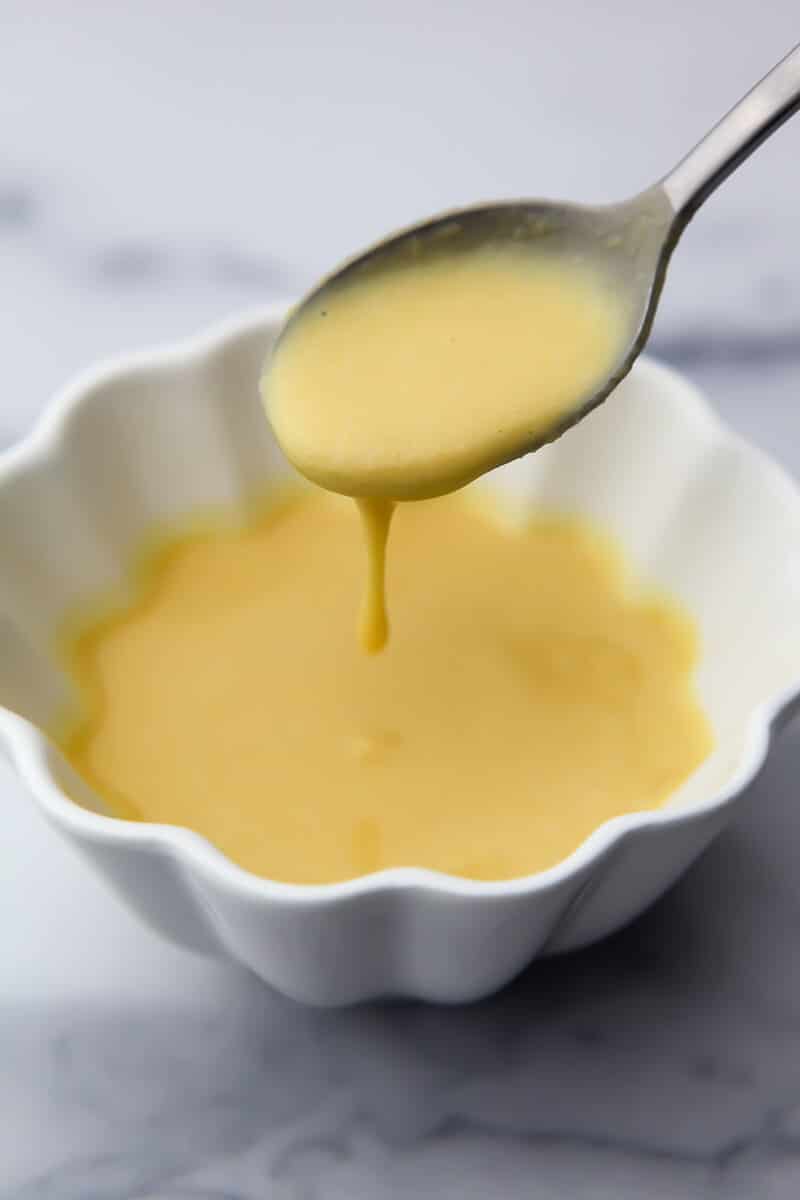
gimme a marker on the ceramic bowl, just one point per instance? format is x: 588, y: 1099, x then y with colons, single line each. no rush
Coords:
x: 145, y: 439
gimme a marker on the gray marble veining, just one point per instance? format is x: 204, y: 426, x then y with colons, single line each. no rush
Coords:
x: 662, y: 1063
x: 161, y: 166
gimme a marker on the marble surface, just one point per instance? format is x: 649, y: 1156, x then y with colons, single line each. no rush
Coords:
x: 162, y: 165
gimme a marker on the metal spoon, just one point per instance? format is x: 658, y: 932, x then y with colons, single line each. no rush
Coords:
x: 630, y: 243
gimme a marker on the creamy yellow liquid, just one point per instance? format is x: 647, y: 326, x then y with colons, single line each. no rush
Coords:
x: 416, y: 380
x: 411, y: 381
x: 376, y: 519
x: 526, y: 696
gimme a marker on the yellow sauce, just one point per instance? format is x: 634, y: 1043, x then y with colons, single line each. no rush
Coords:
x: 410, y: 381
x: 376, y: 518
x: 527, y: 695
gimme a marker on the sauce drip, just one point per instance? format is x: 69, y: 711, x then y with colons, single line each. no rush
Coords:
x: 376, y: 518
x: 410, y: 381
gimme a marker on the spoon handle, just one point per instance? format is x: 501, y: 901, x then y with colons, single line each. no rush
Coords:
x: 735, y: 137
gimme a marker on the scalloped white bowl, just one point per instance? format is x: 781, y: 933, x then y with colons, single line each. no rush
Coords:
x: 148, y: 438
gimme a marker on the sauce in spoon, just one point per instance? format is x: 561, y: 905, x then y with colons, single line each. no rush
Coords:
x: 408, y: 382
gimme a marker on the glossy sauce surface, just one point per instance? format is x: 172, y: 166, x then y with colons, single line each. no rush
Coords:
x: 528, y: 694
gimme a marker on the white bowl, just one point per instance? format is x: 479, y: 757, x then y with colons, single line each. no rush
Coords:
x: 148, y: 438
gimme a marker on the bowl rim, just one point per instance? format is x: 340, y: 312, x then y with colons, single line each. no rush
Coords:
x: 30, y: 750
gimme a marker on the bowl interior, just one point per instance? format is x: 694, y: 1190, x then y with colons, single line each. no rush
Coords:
x: 146, y: 442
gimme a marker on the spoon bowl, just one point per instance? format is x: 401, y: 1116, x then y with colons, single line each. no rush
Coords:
x: 627, y: 246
